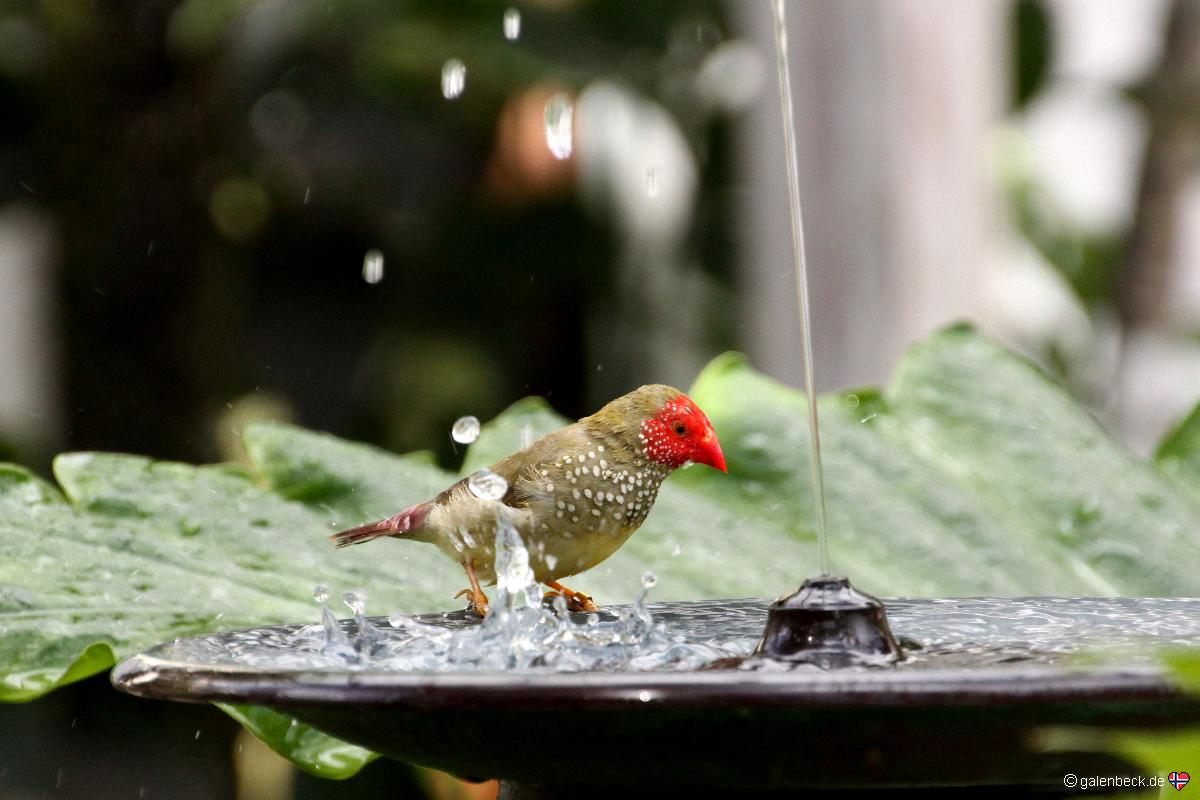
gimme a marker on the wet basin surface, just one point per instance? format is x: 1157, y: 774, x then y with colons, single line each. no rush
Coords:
x: 980, y: 674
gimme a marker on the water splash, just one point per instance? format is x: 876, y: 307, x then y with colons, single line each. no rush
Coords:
x: 512, y: 24
x: 372, y: 270
x: 454, y: 78
x: 365, y: 634
x: 521, y: 632
x: 487, y: 485
x: 465, y: 430
x: 354, y: 601
x: 328, y: 635
x: 560, y: 125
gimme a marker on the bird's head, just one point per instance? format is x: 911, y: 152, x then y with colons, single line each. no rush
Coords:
x: 667, y: 427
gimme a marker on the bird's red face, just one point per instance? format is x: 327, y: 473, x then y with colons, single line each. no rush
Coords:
x: 679, y: 433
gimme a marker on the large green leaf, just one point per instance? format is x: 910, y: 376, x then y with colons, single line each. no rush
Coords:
x: 1007, y: 430
x: 971, y: 474
x: 314, y: 752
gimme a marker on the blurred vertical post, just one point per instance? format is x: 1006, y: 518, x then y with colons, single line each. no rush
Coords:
x: 30, y: 414
x: 893, y: 103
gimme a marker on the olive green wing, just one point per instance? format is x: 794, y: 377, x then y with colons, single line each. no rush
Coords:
x: 523, y: 469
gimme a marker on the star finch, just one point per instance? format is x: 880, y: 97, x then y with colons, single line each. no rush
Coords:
x: 574, y: 495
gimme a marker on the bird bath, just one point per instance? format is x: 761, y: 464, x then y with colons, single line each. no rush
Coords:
x: 980, y: 676
x: 693, y: 694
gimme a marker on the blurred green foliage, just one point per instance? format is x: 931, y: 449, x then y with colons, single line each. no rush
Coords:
x: 215, y: 171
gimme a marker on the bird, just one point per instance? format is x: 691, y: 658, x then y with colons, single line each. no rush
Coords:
x: 574, y: 496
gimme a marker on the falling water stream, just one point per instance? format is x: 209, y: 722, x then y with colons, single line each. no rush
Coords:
x: 801, y: 265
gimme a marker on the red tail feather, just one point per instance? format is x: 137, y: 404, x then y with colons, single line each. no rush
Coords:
x: 410, y: 519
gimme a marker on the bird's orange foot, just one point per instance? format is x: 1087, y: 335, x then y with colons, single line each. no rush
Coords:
x: 576, y: 601
x: 582, y: 602
x: 476, y: 601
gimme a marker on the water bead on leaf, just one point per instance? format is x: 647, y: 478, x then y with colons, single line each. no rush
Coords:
x: 487, y: 485
x: 465, y: 430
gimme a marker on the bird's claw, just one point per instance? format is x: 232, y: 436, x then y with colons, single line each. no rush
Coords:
x: 476, y: 603
x: 576, y: 601
x: 582, y: 602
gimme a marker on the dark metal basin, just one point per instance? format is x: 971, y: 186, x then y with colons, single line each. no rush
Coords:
x: 959, y: 712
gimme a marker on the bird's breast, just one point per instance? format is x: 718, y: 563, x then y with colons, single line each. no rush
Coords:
x: 588, y: 507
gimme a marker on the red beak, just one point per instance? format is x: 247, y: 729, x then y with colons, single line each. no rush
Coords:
x: 710, y: 452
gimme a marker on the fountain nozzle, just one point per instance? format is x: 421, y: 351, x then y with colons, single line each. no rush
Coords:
x: 829, y: 623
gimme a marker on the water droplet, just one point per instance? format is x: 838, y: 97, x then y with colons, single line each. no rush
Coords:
x: 648, y: 580
x: 454, y: 78
x: 355, y: 601
x: 465, y: 430
x: 852, y: 400
x: 373, y: 266
x: 644, y: 695
x: 320, y: 593
x: 512, y: 24
x: 676, y: 550
x: 487, y: 485
x: 560, y: 128
x: 652, y: 182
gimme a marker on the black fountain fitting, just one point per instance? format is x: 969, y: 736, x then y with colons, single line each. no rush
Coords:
x: 829, y: 623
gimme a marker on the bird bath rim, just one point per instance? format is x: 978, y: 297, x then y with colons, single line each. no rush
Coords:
x: 156, y: 674
x: 151, y: 677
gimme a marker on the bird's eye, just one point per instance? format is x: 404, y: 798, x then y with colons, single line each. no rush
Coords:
x: 680, y: 429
